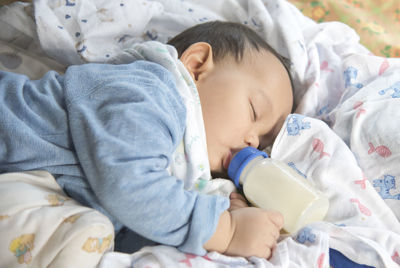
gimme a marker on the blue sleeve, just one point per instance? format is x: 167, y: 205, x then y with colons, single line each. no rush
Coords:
x: 125, y: 122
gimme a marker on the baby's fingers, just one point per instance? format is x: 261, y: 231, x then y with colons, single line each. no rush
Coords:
x: 276, y: 218
x: 266, y: 254
x: 268, y: 248
x: 272, y: 249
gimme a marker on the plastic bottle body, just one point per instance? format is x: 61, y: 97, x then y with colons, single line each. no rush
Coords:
x: 273, y: 185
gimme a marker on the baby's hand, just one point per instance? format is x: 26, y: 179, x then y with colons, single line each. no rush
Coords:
x: 237, y: 201
x: 255, y: 232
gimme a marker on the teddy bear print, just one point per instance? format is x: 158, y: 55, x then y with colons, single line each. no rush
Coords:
x: 295, y: 123
x: 3, y: 217
x: 350, y: 74
x: 22, y: 247
x: 396, y: 90
x: 387, y: 183
x: 56, y: 200
x: 72, y: 219
x: 305, y: 235
x: 95, y: 244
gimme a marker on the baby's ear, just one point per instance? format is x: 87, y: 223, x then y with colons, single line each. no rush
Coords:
x: 198, y: 59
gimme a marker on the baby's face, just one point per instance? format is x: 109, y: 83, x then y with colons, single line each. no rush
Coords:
x: 244, y: 104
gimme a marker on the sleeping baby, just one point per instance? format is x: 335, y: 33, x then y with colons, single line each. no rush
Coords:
x: 133, y: 140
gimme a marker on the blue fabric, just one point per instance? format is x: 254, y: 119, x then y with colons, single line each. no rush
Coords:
x: 107, y: 133
x: 338, y: 260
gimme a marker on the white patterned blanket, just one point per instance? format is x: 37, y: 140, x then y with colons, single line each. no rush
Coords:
x: 346, y: 140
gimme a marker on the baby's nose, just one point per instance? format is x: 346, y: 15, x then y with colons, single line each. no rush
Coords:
x: 252, y: 140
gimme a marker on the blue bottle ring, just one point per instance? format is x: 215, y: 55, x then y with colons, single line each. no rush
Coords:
x: 240, y: 160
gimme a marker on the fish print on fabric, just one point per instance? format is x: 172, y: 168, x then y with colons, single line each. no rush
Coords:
x: 384, y: 66
x: 318, y: 147
x: 360, y: 110
x: 189, y: 257
x: 320, y: 261
x: 363, y: 209
x: 325, y: 67
x: 381, y: 150
x: 396, y: 257
x: 362, y: 182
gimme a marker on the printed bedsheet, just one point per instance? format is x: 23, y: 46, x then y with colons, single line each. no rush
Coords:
x: 345, y: 141
x: 41, y: 227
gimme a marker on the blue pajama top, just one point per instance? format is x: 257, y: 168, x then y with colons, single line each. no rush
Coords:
x: 107, y: 133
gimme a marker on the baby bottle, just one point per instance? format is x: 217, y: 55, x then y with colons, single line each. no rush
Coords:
x: 271, y: 184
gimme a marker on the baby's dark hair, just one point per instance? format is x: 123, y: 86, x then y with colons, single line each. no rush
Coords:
x: 225, y: 38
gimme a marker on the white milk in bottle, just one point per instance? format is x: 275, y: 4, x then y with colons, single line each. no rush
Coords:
x: 271, y: 184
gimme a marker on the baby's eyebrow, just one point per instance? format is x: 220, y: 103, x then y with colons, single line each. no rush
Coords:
x: 263, y: 93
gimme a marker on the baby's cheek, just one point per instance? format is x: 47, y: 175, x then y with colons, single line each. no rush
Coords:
x: 214, y: 163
